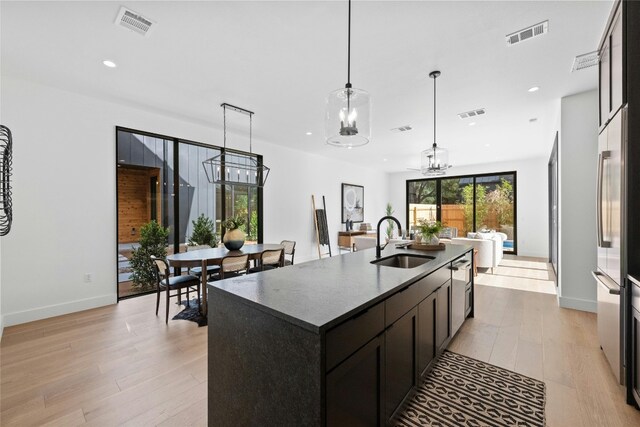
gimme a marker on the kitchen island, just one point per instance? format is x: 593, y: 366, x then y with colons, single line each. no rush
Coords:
x: 338, y: 341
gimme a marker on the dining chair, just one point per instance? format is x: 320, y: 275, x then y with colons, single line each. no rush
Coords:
x: 165, y: 282
x: 289, y: 249
x: 269, y: 260
x: 197, y: 271
x: 233, y: 266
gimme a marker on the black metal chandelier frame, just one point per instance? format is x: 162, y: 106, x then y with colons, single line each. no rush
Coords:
x: 231, y: 167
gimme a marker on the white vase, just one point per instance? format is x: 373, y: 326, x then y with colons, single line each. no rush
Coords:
x: 435, y: 240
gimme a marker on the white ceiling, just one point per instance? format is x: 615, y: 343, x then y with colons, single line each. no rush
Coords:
x: 280, y: 59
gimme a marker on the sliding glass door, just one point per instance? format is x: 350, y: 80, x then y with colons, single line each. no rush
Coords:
x: 162, y: 179
x: 467, y: 204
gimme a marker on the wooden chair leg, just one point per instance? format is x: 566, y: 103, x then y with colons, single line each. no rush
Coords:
x: 157, y: 301
x: 199, y: 304
x: 188, y: 289
x: 179, y: 297
x: 166, y: 320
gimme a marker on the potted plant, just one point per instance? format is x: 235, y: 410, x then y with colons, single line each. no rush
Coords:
x: 429, y: 231
x: 234, y: 237
x: 203, y: 232
x: 153, y: 241
x: 389, y: 211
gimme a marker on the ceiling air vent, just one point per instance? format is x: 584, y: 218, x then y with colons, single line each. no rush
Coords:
x: 404, y: 128
x: 131, y: 20
x: 472, y: 113
x: 585, y: 60
x: 528, y: 33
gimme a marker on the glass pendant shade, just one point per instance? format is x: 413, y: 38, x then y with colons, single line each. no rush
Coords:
x: 435, y: 161
x: 348, y: 118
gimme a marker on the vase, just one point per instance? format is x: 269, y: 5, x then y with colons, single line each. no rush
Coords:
x: 234, y: 239
x: 434, y: 240
x: 418, y: 238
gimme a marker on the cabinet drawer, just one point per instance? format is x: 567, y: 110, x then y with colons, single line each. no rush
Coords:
x: 467, y: 300
x: 400, y: 303
x: 346, y: 338
x: 635, y: 293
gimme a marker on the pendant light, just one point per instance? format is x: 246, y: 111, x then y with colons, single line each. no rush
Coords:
x: 435, y: 160
x: 348, y: 114
x: 232, y: 167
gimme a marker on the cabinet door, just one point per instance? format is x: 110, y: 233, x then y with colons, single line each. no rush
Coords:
x: 356, y: 386
x: 443, y: 314
x: 426, y: 332
x: 635, y: 354
x: 616, y: 64
x: 605, y: 83
x: 401, y: 360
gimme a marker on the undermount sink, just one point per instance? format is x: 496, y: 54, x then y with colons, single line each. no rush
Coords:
x: 403, y: 261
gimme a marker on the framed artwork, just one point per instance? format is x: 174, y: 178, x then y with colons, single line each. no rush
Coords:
x: 352, y: 203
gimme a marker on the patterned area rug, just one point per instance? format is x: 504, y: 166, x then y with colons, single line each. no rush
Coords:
x: 461, y: 391
x: 191, y: 313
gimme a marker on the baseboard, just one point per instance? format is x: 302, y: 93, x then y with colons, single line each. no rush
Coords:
x: 45, y: 312
x: 1, y: 326
x: 578, y: 304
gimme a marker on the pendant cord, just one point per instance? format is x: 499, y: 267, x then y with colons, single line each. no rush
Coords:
x: 349, y: 49
x: 224, y: 125
x: 250, y: 132
x: 434, y: 114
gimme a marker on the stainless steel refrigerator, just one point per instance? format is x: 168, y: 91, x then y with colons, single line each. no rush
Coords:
x: 609, y: 275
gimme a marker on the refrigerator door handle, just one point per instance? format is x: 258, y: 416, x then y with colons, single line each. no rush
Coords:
x: 602, y: 280
x: 601, y: 158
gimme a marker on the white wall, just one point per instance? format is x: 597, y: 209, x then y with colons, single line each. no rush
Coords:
x: 578, y: 154
x: 532, y: 193
x: 64, y: 196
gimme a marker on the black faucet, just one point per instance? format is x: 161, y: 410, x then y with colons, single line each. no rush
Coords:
x: 384, y: 218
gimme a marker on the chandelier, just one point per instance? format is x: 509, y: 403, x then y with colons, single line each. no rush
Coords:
x: 348, y: 112
x: 232, y: 167
x: 434, y: 160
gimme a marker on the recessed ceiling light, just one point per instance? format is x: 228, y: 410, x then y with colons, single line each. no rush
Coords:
x: 384, y: 160
x: 109, y: 64
x: 487, y: 145
x: 309, y: 133
x: 472, y: 124
x: 534, y: 89
x: 349, y: 147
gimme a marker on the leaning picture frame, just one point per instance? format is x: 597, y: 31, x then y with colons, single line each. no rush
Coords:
x: 352, y: 203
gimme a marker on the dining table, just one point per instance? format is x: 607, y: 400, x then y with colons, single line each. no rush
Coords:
x: 213, y: 256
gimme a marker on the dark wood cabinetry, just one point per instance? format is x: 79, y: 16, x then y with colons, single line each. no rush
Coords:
x: 426, y: 332
x: 417, y: 327
x: 401, y: 360
x: 611, y: 70
x: 443, y: 315
x: 635, y: 354
x: 355, y: 388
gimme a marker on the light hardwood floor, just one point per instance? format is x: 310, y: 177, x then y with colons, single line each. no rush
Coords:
x: 120, y: 365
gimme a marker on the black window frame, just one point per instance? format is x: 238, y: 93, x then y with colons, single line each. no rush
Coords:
x: 176, y: 198
x: 438, y: 181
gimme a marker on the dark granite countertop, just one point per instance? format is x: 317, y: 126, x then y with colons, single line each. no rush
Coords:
x: 317, y: 295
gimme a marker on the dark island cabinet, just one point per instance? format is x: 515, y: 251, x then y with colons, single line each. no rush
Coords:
x: 355, y: 388
x: 370, y: 386
x: 426, y: 332
x: 401, y: 360
x: 443, y: 315
x: 287, y: 349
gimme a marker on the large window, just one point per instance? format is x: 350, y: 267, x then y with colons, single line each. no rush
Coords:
x: 466, y: 203
x: 162, y: 178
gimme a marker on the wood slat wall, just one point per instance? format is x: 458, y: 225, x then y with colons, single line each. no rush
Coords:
x: 134, y: 201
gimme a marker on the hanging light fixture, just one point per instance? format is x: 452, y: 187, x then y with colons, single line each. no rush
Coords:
x: 435, y: 160
x: 232, y: 167
x: 348, y: 115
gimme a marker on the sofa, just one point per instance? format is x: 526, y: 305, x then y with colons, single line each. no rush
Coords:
x: 489, y: 246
